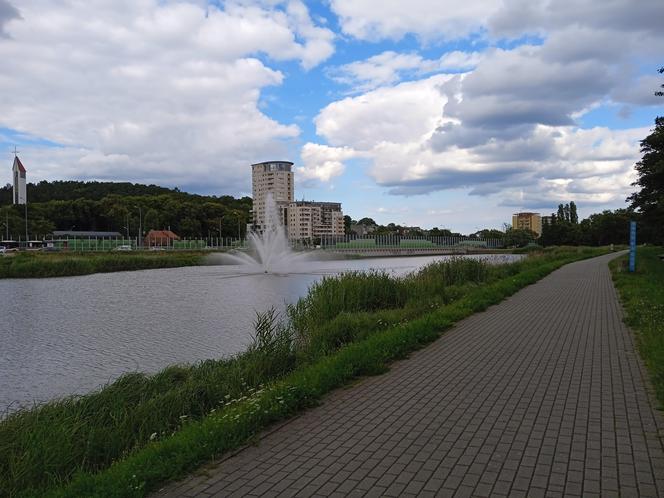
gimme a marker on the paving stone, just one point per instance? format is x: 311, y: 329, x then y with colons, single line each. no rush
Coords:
x: 543, y: 394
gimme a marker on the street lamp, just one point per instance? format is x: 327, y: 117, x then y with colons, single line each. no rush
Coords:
x: 140, y: 227
x: 6, y: 223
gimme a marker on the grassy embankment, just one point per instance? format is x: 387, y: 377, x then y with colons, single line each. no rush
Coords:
x: 38, y: 265
x: 642, y: 295
x: 139, y: 432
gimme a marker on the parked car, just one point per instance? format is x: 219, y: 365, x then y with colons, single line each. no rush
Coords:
x: 3, y: 249
x: 124, y: 247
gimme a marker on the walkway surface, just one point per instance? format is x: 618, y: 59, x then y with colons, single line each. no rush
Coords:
x: 541, y: 395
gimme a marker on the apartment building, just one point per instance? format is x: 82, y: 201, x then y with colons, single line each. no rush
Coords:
x: 275, y: 177
x: 311, y: 220
x: 528, y: 221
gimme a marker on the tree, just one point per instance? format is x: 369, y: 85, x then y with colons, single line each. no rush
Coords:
x: 649, y: 200
x: 348, y: 222
x: 573, y: 215
x: 561, y: 212
x: 607, y: 227
x: 519, y: 237
x: 366, y: 222
x: 490, y: 233
x: 440, y: 232
x: 658, y: 92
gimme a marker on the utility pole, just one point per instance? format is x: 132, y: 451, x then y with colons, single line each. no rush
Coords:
x: 26, y: 223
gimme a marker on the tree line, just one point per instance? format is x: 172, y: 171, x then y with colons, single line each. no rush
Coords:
x: 121, y: 207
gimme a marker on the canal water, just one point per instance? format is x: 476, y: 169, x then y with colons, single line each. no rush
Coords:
x: 62, y: 336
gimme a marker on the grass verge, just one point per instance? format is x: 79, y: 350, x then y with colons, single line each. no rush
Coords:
x: 130, y: 437
x: 40, y: 265
x: 642, y: 295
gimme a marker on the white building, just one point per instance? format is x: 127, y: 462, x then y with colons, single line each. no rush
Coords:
x: 312, y: 220
x: 20, y: 194
x: 275, y: 177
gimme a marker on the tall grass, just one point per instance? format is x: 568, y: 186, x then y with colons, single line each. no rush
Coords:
x: 642, y: 295
x: 35, y: 265
x: 48, y: 446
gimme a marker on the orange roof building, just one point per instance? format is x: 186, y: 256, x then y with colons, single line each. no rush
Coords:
x: 160, y: 238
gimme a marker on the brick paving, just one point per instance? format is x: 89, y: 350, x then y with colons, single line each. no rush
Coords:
x: 541, y: 395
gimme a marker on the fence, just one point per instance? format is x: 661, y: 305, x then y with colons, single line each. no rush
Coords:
x: 122, y: 244
x: 346, y: 243
x: 407, y: 242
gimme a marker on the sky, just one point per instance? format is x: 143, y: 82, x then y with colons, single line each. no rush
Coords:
x: 424, y: 113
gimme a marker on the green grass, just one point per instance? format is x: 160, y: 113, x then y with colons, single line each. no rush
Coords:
x: 356, y: 244
x: 642, y: 295
x: 139, y: 432
x: 39, y: 265
x: 416, y: 244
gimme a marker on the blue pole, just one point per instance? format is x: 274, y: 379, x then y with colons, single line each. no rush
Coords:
x: 632, y: 246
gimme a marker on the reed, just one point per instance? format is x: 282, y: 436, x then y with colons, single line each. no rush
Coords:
x: 39, y: 265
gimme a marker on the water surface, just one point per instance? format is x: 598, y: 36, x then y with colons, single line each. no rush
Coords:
x: 62, y: 336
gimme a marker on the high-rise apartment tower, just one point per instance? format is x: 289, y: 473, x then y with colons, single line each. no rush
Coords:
x: 275, y: 177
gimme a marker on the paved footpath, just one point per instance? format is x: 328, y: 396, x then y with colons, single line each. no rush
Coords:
x: 541, y: 395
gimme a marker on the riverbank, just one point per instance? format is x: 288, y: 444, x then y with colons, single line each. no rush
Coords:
x: 136, y: 433
x: 67, y: 264
x: 642, y: 296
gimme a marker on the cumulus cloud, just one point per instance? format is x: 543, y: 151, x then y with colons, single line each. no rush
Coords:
x: 391, y: 114
x: 518, y: 17
x: 509, y: 127
x: 430, y: 19
x: 390, y: 67
x: 639, y: 91
x: 542, y: 163
x: 151, y: 90
x: 322, y: 163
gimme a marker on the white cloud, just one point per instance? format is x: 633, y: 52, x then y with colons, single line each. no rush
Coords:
x: 509, y: 128
x: 150, y: 90
x: 322, y: 163
x: 518, y: 17
x: 393, y: 114
x: 379, y: 70
x: 543, y: 165
x: 459, y: 61
x: 391, y: 67
x: 446, y: 19
x: 431, y: 19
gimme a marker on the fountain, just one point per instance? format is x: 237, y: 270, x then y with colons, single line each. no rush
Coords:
x: 269, y: 250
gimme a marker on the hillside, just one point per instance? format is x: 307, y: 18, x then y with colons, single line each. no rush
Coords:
x: 108, y: 206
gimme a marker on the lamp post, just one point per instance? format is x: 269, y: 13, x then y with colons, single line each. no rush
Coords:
x: 140, y: 227
x: 6, y: 223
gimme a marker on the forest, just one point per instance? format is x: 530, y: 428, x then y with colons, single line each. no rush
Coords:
x: 121, y: 207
